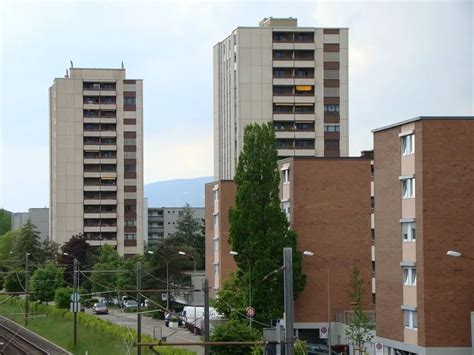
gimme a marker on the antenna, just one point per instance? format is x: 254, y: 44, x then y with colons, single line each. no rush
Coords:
x: 72, y: 65
x: 67, y: 74
x: 122, y: 65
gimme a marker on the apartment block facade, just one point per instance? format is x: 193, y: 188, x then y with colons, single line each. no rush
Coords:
x: 39, y: 217
x: 96, y: 159
x: 328, y: 204
x: 162, y: 222
x: 424, y: 207
x: 294, y: 77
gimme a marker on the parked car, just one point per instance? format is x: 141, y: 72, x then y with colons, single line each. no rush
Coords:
x: 129, y: 304
x: 319, y: 349
x: 169, y: 315
x: 100, y: 308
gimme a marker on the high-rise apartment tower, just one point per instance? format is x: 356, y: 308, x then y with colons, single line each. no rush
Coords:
x: 96, y: 159
x: 295, y: 77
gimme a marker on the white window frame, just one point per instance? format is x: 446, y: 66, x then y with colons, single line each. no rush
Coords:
x: 216, y: 219
x: 409, y: 276
x: 409, y: 230
x: 412, y: 319
x: 408, y: 144
x: 408, y: 188
x: 216, y: 194
x: 286, y: 206
x: 286, y: 176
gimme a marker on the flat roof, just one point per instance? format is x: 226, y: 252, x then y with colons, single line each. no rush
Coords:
x: 324, y: 158
x: 419, y: 118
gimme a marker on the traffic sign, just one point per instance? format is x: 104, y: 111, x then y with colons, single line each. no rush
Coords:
x: 323, y: 332
x: 75, y: 297
x: 250, y: 312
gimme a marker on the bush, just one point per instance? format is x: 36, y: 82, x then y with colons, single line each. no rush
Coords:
x: 15, y: 282
x: 62, y: 297
x: 234, y: 330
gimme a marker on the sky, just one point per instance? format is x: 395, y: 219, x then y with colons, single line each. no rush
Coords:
x: 406, y: 59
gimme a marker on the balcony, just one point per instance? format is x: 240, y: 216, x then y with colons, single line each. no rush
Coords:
x: 98, y: 86
x: 293, y: 37
x: 296, y: 90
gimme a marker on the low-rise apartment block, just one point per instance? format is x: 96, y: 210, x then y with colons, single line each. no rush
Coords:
x: 162, y: 222
x: 39, y: 217
x: 424, y: 207
x: 328, y: 203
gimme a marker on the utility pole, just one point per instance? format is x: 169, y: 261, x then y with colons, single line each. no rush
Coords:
x: 75, y: 303
x: 288, y: 278
x: 139, y: 316
x: 206, y: 315
x: 26, y: 288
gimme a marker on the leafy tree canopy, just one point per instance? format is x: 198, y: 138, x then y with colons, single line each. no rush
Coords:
x: 45, y: 281
x: 259, y: 229
x: 5, y: 221
x: 234, y: 330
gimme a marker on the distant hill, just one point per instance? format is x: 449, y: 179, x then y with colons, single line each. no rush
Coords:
x: 176, y: 193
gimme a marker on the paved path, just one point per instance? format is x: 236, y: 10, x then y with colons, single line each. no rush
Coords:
x: 172, y: 335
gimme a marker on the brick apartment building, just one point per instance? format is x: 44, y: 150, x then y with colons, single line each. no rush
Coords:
x: 328, y: 204
x: 424, y: 207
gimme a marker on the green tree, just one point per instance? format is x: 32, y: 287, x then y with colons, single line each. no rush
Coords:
x: 62, y: 297
x: 45, y: 281
x: 108, y: 259
x: 15, y: 281
x: 50, y: 250
x: 76, y: 247
x: 6, y: 246
x: 360, y: 328
x: 259, y: 229
x: 28, y: 241
x: 5, y: 221
x: 234, y: 330
x: 189, y: 232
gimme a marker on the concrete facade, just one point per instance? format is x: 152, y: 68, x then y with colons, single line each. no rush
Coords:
x: 37, y: 216
x: 162, y: 222
x: 295, y: 77
x: 96, y: 159
x: 423, y: 208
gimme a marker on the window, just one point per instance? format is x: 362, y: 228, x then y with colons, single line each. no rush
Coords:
x: 129, y: 101
x: 286, y: 176
x: 129, y: 141
x: 130, y: 168
x: 331, y: 108
x: 304, y: 108
x: 130, y: 236
x: 408, y: 188
x: 373, y: 266
x: 409, y: 276
x: 130, y: 223
x: 286, y: 207
x: 408, y: 144
x: 372, y: 231
x: 130, y: 208
x: 410, y: 319
x: 216, y: 219
x: 304, y: 126
x: 216, y: 194
x: 331, y: 128
x: 409, y: 231
x: 304, y: 143
x: 216, y: 245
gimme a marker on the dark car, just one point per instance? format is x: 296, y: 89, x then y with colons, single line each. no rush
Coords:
x: 100, y: 308
x: 169, y: 315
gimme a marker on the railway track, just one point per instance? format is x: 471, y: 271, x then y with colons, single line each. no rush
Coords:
x: 17, y: 340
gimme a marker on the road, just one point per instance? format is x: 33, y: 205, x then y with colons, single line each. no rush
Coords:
x: 148, y: 324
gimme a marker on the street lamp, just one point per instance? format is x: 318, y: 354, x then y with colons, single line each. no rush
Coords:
x: 234, y: 253
x: 310, y: 253
x: 167, y: 278
x: 194, y: 260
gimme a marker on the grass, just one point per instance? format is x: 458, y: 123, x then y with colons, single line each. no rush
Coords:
x: 59, y: 329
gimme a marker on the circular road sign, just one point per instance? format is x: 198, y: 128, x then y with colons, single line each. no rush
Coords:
x: 250, y: 311
x: 323, y: 330
x: 75, y: 297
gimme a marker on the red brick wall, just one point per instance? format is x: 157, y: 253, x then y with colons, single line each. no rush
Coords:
x: 447, y: 224
x: 227, y: 192
x: 388, y: 239
x: 331, y: 214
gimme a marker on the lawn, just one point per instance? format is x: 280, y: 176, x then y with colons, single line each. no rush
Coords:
x: 59, y: 328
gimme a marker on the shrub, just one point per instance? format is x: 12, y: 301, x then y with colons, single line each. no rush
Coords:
x: 62, y: 297
x: 234, y: 330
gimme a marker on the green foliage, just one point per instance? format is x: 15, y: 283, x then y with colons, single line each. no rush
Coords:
x: 360, y: 329
x: 15, y: 281
x: 107, y: 259
x: 232, y: 300
x: 62, y: 297
x: 45, y: 281
x: 189, y: 232
x: 50, y: 250
x: 76, y: 247
x: 234, y: 330
x: 28, y: 241
x: 6, y: 245
x: 5, y: 221
x: 259, y: 229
